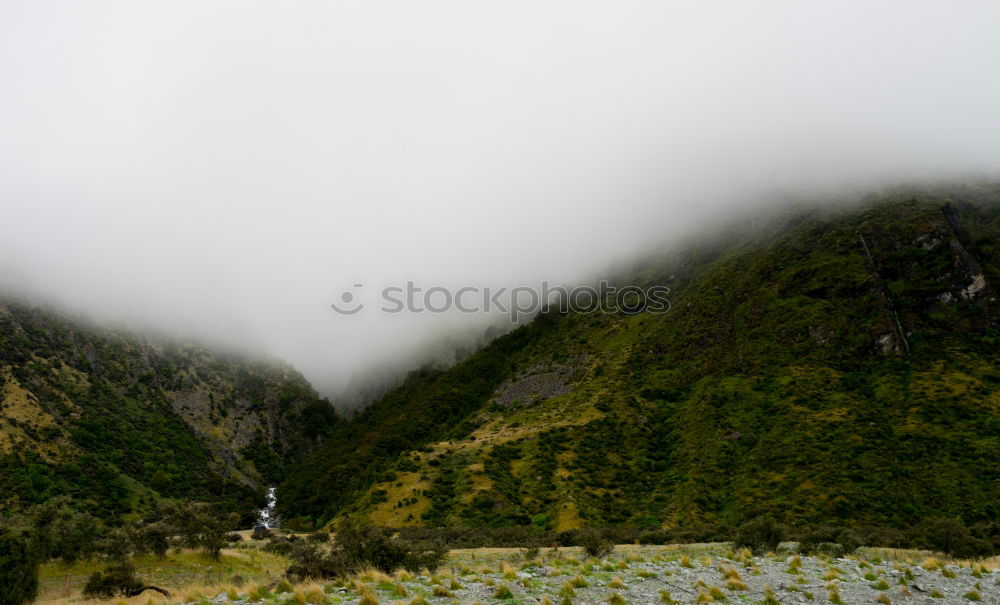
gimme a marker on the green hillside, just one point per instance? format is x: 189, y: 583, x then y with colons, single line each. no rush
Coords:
x: 119, y: 422
x: 820, y: 366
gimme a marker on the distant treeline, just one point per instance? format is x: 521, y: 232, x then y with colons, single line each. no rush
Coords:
x: 949, y: 536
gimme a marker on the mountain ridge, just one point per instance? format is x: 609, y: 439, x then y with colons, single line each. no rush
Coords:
x: 137, y: 419
x: 826, y: 365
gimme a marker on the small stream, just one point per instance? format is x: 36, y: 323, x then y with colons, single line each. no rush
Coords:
x: 268, y: 516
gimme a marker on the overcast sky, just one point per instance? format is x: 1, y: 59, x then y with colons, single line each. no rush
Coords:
x: 228, y: 169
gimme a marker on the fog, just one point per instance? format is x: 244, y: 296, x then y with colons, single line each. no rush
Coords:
x: 226, y: 170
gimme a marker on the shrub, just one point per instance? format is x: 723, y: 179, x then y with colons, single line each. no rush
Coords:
x: 530, y: 553
x: 18, y: 570
x: 595, y: 544
x: 118, y: 580
x: 359, y: 546
x: 760, y: 535
x: 951, y: 536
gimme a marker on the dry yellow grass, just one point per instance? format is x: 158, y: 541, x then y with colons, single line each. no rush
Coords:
x: 371, y: 574
x: 507, y: 571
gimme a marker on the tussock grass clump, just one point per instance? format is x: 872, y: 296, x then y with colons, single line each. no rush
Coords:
x: 741, y: 555
x: 616, y: 583
x: 882, y: 598
x: 418, y: 600
x: 441, y: 591
x: 973, y: 595
x: 665, y: 597
x: 578, y: 582
x: 834, y: 596
x: 735, y: 585
x: 545, y: 601
x: 645, y: 573
x: 769, y: 598
x: 403, y: 575
x: 567, y: 590
x: 503, y: 592
x: 937, y: 594
x: 717, y: 593
x: 507, y: 572
x: 316, y: 595
x: 256, y: 593
x: 880, y: 585
x: 616, y: 599
x: 794, y: 564
x: 947, y: 573
x: 686, y: 562
x: 704, y: 597
x: 398, y: 590
x: 931, y: 564
x: 368, y: 598
x: 454, y: 585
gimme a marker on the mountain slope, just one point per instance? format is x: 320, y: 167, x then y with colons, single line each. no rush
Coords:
x: 118, y: 421
x: 821, y: 366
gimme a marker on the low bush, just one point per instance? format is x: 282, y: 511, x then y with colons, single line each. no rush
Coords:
x: 18, y: 570
x: 362, y: 546
x: 760, y: 535
x: 118, y: 580
x: 951, y: 536
x: 595, y: 544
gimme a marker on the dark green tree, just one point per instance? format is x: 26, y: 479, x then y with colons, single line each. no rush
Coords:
x: 18, y: 569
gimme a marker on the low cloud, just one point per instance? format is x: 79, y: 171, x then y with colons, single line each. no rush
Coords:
x: 227, y: 170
